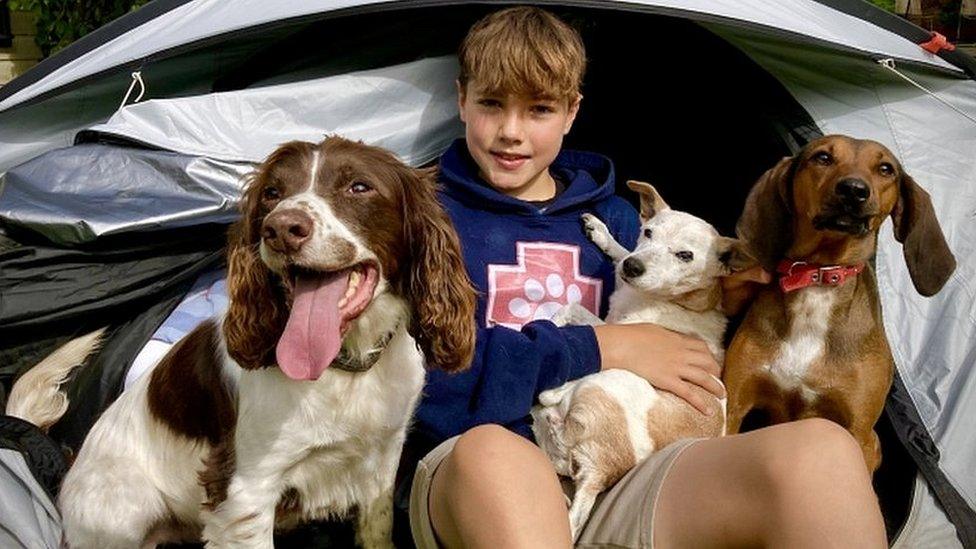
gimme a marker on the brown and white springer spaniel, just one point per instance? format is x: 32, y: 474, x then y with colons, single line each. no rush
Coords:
x: 294, y: 405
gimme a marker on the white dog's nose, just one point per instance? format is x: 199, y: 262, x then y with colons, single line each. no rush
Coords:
x: 632, y: 268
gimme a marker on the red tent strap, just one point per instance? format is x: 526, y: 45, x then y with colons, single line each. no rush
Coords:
x: 937, y: 43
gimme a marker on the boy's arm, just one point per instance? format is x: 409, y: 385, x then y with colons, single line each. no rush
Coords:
x: 509, y: 370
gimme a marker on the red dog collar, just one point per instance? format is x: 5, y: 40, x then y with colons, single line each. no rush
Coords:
x: 799, y: 274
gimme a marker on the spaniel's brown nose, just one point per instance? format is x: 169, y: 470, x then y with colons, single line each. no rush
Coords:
x: 286, y: 230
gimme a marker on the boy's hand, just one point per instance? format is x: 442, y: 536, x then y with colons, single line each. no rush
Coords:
x: 739, y: 288
x: 667, y: 360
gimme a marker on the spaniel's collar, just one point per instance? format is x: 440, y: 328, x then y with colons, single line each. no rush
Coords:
x: 800, y: 274
x: 347, y: 362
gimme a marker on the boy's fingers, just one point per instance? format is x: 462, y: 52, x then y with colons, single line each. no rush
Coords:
x: 754, y: 274
x: 695, y: 344
x: 686, y: 392
x: 705, y: 360
x: 705, y: 380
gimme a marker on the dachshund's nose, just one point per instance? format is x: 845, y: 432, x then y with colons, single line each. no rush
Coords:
x: 632, y: 268
x: 286, y: 230
x: 853, y: 191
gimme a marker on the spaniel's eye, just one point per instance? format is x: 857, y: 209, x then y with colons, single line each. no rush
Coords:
x: 360, y: 187
x: 648, y: 233
x: 886, y: 169
x: 685, y: 256
x: 823, y: 158
x: 271, y: 193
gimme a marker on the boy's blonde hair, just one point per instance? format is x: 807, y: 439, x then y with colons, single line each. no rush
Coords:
x: 525, y: 51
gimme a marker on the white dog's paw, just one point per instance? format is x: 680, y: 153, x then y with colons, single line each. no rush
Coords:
x: 564, y: 316
x: 597, y: 231
x: 575, y: 314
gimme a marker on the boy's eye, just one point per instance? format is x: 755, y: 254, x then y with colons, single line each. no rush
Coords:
x: 488, y: 102
x: 543, y: 109
x: 685, y: 256
x: 648, y: 233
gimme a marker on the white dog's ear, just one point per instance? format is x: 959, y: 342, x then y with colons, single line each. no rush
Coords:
x: 734, y: 255
x: 651, y: 202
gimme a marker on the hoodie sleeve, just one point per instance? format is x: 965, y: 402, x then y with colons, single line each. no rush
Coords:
x: 509, y: 370
x: 622, y: 220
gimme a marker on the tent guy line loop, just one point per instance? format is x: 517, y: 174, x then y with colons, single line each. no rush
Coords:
x: 136, y: 78
x: 889, y: 64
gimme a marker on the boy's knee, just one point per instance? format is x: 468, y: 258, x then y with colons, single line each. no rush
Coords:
x: 811, y: 454
x: 828, y: 441
x: 487, y: 451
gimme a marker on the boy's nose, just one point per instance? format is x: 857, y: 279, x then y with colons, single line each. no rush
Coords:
x: 511, y: 128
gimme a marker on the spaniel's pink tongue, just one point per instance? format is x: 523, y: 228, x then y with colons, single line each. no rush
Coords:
x: 312, y: 335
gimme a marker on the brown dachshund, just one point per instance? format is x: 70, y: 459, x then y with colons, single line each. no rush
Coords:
x: 814, y: 345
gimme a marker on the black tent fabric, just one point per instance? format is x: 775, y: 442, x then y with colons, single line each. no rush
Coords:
x: 129, y: 283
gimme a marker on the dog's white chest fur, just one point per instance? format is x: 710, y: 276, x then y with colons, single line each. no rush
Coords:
x: 809, y: 319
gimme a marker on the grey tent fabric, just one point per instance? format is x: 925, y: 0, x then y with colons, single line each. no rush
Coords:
x: 408, y: 109
x: 77, y: 194
x: 28, y: 518
x: 926, y: 527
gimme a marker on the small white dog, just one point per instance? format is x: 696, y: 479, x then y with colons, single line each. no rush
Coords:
x: 597, y: 428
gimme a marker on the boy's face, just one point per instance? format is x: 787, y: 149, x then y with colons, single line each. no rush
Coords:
x: 515, y: 138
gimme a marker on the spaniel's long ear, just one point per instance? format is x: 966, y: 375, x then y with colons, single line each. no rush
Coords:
x: 651, y: 202
x: 929, y: 260
x: 256, y: 316
x: 766, y: 221
x: 442, y: 295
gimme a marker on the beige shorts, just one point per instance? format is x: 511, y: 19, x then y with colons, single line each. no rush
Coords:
x: 621, y: 518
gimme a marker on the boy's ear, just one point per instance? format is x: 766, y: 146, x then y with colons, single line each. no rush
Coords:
x: 573, y: 110
x: 461, y: 92
x: 650, y: 201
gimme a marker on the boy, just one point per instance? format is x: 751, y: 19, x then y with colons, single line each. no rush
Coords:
x: 515, y: 200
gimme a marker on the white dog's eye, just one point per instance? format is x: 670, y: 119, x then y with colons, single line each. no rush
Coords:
x: 685, y: 256
x: 648, y: 233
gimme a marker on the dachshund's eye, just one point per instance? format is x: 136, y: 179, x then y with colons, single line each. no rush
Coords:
x: 685, y: 256
x: 823, y: 158
x: 886, y: 169
x: 648, y: 233
x: 271, y: 193
x: 359, y: 187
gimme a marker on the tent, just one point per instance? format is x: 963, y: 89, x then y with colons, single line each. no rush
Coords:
x: 122, y: 157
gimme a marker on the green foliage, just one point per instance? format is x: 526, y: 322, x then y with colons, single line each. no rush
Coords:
x: 884, y: 4
x: 61, y: 22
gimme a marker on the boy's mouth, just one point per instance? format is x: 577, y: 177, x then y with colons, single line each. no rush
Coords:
x: 509, y: 161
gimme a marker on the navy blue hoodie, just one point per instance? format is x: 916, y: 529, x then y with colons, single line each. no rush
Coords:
x: 526, y: 262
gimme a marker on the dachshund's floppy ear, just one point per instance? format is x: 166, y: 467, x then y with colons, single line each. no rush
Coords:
x: 766, y: 221
x: 438, y: 285
x: 251, y: 333
x: 734, y: 254
x: 929, y: 260
x: 651, y: 202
